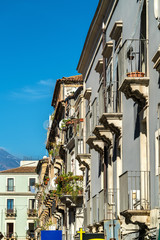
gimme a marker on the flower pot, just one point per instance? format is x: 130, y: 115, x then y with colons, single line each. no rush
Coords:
x: 80, y: 192
x: 135, y: 74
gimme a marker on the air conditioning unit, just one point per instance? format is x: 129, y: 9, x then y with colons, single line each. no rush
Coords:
x: 134, y: 200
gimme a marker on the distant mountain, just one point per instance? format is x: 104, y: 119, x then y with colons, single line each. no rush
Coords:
x: 8, y: 161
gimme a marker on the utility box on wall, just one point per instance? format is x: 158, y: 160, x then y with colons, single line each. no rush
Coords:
x: 112, y: 230
x: 51, y: 234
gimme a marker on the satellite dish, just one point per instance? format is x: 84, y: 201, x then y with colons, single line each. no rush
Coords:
x: 157, y: 9
x: 53, y: 184
x: 62, y: 123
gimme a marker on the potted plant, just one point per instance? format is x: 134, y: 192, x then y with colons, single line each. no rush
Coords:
x: 45, y: 182
x: 47, y: 178
x: 135, y: 74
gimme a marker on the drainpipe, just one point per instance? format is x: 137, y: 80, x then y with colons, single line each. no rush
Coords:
x: 104, y: 66
x: 147, y: 122
x: 84, y: 122
x: 104, y: 95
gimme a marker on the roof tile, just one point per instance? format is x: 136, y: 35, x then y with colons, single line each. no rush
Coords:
x: 20, y: 170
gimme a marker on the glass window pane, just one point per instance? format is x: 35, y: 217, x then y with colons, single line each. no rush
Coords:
x: 10, y: 184
x: 31, y: 181
x: 10, y: 203
x: 31, y: 203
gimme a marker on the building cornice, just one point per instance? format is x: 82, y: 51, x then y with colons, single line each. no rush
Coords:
x: 17, y: 194
x: 96, y: 24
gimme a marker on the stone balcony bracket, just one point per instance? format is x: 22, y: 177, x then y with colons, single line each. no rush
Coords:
x: 82, y: 167
x: 59, y: 161
x: 103, y: 134
x: 90, y: 141
x: 58, y: 166
x: 84, y: 160
x: 87, y: 93
x: 107, y: 51
x: 116, y: 30
x: 112, y: 121
x: 99, y: 66
x: 136, y: 88
x: 156, y: 60
x: 136, y: 216
x: 96, y: 144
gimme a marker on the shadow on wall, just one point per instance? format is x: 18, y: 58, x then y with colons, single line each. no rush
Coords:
x: 137, y: 109
x: 159, y: 81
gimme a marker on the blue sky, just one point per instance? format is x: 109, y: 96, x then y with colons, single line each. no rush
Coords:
x: 40, y: 41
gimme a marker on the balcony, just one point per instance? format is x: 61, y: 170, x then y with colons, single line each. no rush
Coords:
x: 10, y: 236
x: 11, y: 212
x: 30, y: 235
x: 132, y: 62
x: 112, y: 121
x: 135, y: 193
x: 32, y: 212
x: 70, y: 188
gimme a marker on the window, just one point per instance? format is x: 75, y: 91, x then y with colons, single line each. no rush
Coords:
x: 10, y: 227
x: 10, y: 204
x: 32, y: 185
x: 10, y: 184
x: 30, y: 231
x: 31, y: 203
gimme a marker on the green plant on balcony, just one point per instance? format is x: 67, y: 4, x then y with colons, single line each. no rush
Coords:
x: 47, y: 178
x: 51, y: 152
x: 62, y: 124
x: 52, y: 116
x: 53, y: 193
x: 54, y: 152
x: 69, y: 184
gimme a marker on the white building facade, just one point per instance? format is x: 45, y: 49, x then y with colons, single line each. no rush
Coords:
x: 17, y: 202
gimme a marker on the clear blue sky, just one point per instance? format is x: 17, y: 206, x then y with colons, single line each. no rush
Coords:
x: 40, y: 41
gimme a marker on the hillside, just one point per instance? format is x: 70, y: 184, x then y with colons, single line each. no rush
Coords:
x: 7, y: 160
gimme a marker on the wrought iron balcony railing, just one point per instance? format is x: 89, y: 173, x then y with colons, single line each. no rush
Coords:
x: 11, y: 212
x: 133, y: 58
x: 10, y: 235
x: 135, y: 190
x: 30, y: 235
x: 32, y: 212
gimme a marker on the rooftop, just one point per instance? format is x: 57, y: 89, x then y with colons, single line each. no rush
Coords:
x: 20, y: 170
x: 67, y: 80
